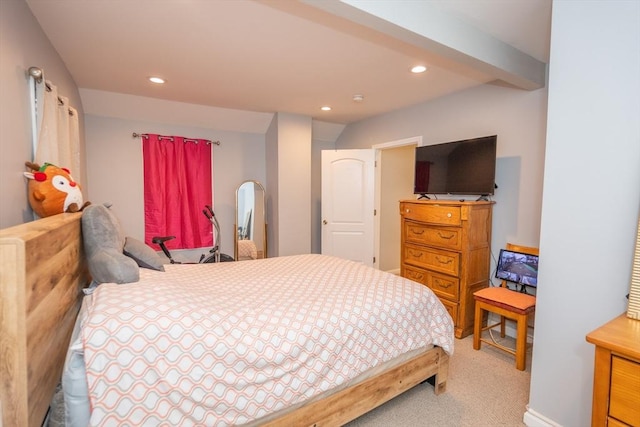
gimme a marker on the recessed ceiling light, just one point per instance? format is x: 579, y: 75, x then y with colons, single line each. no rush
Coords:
x: 326, y: 108
x: 418, y: 69
x: 157, y: 80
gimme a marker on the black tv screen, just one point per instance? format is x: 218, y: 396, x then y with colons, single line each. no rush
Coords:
x: 459, y: 167
x: 518, y: 267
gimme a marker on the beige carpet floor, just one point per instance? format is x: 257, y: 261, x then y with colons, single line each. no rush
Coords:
x: 484, y: 389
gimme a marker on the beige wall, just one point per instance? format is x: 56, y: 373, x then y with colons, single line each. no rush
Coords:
x: 518, y: 117
x: 22, y: 45
x: 316, y: 192
x: 293, y: 145
x: 271, y: 159
x: 115, y: 167
x: 591, y: 199
x: 396, y: 184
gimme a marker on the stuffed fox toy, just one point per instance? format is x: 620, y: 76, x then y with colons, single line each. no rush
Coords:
x: 52, y: 190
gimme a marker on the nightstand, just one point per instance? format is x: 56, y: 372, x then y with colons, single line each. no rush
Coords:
x: 616, y: 382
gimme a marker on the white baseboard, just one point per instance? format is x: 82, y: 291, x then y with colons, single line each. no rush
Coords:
x: 533, y: 419
x: 395, y: 271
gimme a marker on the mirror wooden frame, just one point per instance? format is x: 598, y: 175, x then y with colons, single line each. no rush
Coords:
x: 257, y: 187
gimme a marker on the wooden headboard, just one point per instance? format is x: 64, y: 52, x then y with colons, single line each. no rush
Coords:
x: 42, y: 272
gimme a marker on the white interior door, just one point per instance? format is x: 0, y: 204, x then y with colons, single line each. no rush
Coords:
x: 348, y: 204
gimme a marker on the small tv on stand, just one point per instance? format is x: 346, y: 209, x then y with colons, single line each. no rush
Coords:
x: 518, y: 268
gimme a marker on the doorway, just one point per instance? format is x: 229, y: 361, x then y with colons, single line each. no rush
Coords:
x: 393, y: 182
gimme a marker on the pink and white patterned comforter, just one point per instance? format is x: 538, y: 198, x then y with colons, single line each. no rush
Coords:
x: 227, y: 343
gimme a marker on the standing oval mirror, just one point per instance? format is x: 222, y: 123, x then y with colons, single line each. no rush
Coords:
x: 251, y: 224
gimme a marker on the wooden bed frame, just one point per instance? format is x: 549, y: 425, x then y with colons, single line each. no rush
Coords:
x: 42, y: 272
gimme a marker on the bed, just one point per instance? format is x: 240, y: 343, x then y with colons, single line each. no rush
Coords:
x: 42, y: 273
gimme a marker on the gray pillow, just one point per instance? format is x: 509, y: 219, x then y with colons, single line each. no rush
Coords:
x: 142, y: 254
x: 103, y: 245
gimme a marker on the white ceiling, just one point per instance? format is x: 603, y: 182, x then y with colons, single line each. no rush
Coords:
x: 295, y: 56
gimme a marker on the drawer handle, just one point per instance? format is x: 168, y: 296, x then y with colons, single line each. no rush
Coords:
x: 442, y: 236
x: 415, y: 254
x: 418, y: 276
x: 417, y: 231
x: 442, y: 284
x: 449, y: 215
x: 446, y: 261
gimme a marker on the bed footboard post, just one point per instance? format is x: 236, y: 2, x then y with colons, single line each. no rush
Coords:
x: 440, y: 385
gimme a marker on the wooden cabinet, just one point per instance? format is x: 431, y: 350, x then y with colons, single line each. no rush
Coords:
x: 446, y: 246
x: 616, y: 381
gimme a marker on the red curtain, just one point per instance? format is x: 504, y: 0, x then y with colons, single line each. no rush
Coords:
x: 177, y: 187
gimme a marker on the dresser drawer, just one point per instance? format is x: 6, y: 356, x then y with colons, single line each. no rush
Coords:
x: 448, y: 238
x: 432, y: 259
x: 415, y: 274
x: 625, y: 385
x: 444, y: 286
x: 612, y: 422
x: 432, y: 214
x: 452, y: 309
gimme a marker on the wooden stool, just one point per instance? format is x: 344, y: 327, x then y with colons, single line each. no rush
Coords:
x: 507, y: 304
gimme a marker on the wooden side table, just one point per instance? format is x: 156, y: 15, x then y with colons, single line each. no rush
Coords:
x: 616, y: 382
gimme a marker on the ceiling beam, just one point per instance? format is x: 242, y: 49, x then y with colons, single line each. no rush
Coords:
x: 433, y: 30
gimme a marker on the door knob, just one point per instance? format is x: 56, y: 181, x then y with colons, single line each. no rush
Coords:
x: 324, y: 221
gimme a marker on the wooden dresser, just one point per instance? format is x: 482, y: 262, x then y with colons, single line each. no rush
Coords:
x: 446, y: 245
x: 616, y: 381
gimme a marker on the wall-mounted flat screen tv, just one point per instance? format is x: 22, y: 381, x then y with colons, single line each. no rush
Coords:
x: 458, y: 167
x: 518, y: 267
